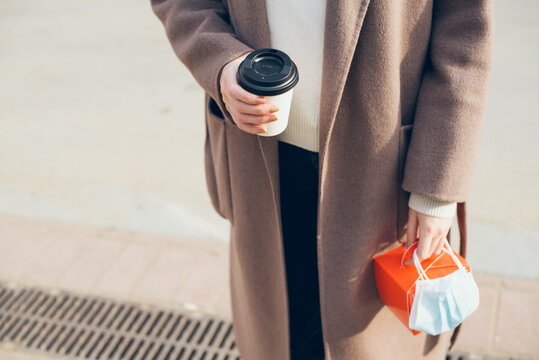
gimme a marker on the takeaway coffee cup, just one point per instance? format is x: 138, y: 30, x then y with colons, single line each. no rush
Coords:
x: 270, y: 72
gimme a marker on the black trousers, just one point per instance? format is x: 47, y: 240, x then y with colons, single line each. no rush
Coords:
x: 298, y: 178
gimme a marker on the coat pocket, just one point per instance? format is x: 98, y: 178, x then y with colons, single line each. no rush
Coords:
x: 216, y: 160
x: 403, y: 196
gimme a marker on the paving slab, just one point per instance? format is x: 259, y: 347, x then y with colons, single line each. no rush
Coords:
x: 166, y: 274
x: 517, y: 328
x: 87, y: 267
x: 173, y: 271
x: 478, y: 330
x: 122, y: 277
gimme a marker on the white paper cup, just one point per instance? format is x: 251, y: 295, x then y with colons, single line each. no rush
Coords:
x: 283, y: 102
x: 271, y: 73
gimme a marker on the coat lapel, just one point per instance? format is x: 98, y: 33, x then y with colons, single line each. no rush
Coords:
x: 343, y: 20
x: 343, y: 24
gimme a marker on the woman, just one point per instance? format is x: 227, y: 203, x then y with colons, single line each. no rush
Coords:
x: 401, y: 89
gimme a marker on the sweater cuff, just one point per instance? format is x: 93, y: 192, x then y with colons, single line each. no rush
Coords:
x: 433, y: 207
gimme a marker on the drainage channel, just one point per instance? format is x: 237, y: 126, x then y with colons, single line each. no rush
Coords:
x: 468, y: 356
x: 89, y: 327
x: 72, y: 326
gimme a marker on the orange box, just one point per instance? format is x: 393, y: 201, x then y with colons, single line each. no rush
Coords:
x: 395, y: 281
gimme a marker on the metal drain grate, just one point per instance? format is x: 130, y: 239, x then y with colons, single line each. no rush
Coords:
x: 457, y: 355
x: 68, y: 325
x: 89, y: 327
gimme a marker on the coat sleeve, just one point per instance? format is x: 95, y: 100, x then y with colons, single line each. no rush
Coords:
x: 203, y: 39
x: 452, y: 100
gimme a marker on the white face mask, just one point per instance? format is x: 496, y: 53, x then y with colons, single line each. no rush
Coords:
x: 441, y: 304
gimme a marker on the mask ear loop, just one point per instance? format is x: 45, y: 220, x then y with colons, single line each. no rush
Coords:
x: 417, y: 263
x: 402, y: 264
x: 448, y: 249
x: 431, y: 265
x: 406, y: 252
x: 422, y: 275
x: 420, y: 269
x: 423, y: 272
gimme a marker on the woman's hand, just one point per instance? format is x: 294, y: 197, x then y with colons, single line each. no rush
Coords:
x: 432, y: 232
x: 249, y: 111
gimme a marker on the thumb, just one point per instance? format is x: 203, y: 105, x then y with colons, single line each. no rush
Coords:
x: 411, y: 235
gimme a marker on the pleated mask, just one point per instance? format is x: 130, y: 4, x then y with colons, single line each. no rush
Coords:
x: 441, y: 304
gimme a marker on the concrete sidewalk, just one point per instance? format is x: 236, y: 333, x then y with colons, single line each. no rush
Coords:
x: 174, y: 272
x: 99, y: 120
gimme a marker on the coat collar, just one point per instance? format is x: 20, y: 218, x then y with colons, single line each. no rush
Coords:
x: 343, y: 21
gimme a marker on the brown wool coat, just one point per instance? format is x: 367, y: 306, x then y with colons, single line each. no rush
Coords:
x: 404, y: 93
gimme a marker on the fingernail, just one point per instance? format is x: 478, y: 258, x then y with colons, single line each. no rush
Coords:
x: 274, y: 109
x: 273, y: 117
x: 260, y: 100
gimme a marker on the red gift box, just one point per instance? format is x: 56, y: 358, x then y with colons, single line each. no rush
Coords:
x: 395, y: 281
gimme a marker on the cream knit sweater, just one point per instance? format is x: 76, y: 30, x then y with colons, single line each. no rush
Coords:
x: 297, y: 28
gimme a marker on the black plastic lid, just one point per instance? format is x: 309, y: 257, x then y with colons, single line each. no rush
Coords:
x: 267, y: 72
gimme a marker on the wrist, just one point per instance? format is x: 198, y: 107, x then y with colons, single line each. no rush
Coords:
x: 233, y: 64
x: 236, y: 62
x: 433, y: 207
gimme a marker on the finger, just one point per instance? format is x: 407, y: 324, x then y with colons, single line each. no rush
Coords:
x: 247, y: 127
x: 439, y: 246
x: 250, y: 128
x: 239, y: 93
x: 409, y: 262
x: 445, y: 224
x: 426, y: 235
x: 228, y: 103
x: 258, y: 109
x: 436, y: 238
x: 423, y: 249
x: 411, y: 234
x: 256, y: 119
